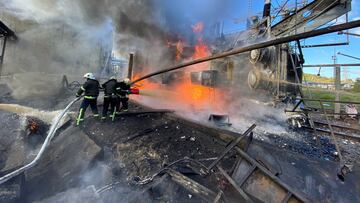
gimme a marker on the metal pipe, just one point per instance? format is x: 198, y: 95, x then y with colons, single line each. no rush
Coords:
x: 348, y: 33
x: 332, y: 133
x: 338, y: 134
x: 302, y: 60
x: 353, y: 57
x: 325, y: 45
x: 44, y: 146
x: 332, y: 65
x: 320, y: 113
x: 338, y: 126
x: 296, y: 75
x: 268, y: 43
x: 329, y: 101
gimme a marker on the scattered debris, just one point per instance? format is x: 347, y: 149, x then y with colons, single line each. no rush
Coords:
x: 142, y: 133
x: 220, y: 120
x: 32, y: 126
x: 351, y: 109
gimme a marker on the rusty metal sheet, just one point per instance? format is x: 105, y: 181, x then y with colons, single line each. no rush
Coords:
x: 264, y: 188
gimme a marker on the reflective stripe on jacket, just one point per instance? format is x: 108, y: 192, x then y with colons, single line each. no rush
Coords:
x: 90, y: 88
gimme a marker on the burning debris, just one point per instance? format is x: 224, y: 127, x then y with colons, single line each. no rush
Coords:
x: 33, y: 126
x: 221, y: 120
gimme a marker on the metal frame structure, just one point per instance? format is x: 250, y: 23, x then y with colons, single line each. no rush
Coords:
x: 260, y: 45
x: 348, y: 33
x: 312, y: 16
x: 5, y: 33
x: 346, y: 55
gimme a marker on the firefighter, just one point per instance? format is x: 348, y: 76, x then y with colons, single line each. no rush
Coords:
x: 110, y: 98
x: 123, y: 91
x: 91, y: 91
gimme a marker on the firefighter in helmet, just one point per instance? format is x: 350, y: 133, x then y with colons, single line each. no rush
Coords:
x: 123, y: 91
x: 91, y: 92
x: 110, y: 98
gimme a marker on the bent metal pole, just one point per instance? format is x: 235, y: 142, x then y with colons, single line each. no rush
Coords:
x: 276, y: 41
x: 44, y: 146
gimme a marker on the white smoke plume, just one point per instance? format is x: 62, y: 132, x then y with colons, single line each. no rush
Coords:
x: 75, y: 36
x: 59, y: 37
x: 72, y: 36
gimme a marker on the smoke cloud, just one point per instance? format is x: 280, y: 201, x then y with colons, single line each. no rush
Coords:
x: 75, y: 36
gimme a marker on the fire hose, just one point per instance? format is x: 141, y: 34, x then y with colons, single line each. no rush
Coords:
x: 44, y: 146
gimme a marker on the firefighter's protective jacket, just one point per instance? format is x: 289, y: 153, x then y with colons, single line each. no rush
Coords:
x: 91, y: 89
x: 109, y: 87
x: 122, y: 89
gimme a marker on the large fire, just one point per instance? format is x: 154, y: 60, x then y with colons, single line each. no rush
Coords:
x: 183, y: 92
x: 179, y: 50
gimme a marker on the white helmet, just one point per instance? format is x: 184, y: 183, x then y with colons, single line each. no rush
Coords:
x: 89, y: 76
x: 113, y: 77
x: 127, y: 81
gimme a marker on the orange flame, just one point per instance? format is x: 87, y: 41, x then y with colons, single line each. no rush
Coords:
x: 144, y: 84
x: 201, y: 49
x: 198, y: 96
x: 179, y: 50
x: 183, y: 92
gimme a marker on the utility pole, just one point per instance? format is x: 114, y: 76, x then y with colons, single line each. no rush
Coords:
x: 130, y: 66
x: 337, y: 80
x: 345, y: 70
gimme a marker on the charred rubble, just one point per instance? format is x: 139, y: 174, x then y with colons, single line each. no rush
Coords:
x: 155, y: 155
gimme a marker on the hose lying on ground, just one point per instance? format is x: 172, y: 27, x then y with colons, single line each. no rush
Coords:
x: 44, y: 146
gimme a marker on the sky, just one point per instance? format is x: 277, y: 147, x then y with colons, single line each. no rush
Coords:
x: 233, y: 13
x: 321, y: 55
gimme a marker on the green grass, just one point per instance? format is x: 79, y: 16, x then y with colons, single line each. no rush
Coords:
x: 317, y: 79
x: 322, y: 94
